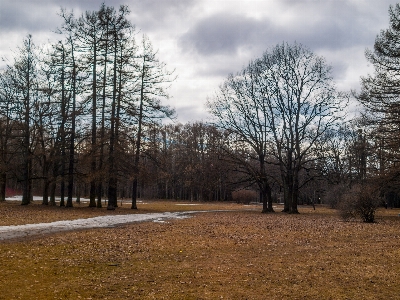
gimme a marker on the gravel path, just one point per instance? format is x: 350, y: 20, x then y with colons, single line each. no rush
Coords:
x: 20, y: 231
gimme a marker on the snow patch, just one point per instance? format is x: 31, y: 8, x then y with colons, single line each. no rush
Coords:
x: 18, y: 231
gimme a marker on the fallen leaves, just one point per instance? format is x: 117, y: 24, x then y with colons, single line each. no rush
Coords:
x: 233, y: 254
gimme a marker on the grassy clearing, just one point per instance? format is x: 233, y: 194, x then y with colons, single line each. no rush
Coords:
x: 239, y: 254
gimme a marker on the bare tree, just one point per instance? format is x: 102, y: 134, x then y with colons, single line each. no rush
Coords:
x: 121, y: 37
x: 281, y: 105
x: 87, y: 32
x: 151, y: 86
x: 24, y: 80
x: 8, y: 128
x: 239, y: 111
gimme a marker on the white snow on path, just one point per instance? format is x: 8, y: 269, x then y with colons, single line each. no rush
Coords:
x: 19, y: 231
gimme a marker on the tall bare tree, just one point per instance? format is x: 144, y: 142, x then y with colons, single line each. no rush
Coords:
x: 25, y: 83
x: 121, y: 37
x: 150, y: 89
x: 8, y: 126
x: 280, y: 106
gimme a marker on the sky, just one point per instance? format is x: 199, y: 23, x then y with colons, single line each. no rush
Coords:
x: 206, y: 40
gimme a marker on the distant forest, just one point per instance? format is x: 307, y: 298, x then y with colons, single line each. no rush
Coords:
x: 83, y: 117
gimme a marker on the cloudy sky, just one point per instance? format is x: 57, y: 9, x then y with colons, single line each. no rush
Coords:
x: 205, y: 40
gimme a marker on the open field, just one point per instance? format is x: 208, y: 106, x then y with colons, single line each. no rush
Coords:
x: 236, y: 254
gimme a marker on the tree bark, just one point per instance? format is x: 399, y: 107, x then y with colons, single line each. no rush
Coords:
x: 3, y: 184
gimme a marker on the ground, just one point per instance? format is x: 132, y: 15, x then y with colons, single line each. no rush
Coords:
x: 237, y: 253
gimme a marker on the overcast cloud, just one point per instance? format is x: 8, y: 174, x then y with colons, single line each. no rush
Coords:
x: 206, y: 40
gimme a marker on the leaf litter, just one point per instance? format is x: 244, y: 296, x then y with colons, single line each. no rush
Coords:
x: 239, y: 254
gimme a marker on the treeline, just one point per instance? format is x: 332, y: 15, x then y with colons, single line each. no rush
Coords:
x: 82, y: 117
x: 373, y: 139
x: 380, y: 96
x: 70, y: 110
x: 283, y: 113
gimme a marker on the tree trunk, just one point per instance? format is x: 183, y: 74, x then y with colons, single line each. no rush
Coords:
x: 112, y: 184
x: 72, y: 137
x: 269, y: 197
x: 138, y: 140
x: 46, y: 185
x: 26, y: 196
x: 78, y: 193
x: 62, y: 129
x: 266, y: 198
x: 295, y: 193
x: 92, y: 196
x: 134, y: 193
x: 102, y: 132
x: 62, y: 191
x: 53, y: 193
x: 3, y: 184
x: 265, y: 189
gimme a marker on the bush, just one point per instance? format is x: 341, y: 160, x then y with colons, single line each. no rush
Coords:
x: 244, y: 196
x: 361, y: 202
x: 335, y: 195
x: 346, y: 206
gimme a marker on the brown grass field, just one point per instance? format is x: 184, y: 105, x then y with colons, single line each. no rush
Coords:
x: 235, y: 254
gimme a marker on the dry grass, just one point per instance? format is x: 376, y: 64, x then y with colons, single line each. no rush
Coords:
x: 240, y: 254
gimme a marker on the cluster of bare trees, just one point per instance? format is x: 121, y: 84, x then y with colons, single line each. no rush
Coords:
x: 81, y: 116
x: 280, y: 110
x: 186, y: 162
x: 287, y: 124
x: 69, y: 109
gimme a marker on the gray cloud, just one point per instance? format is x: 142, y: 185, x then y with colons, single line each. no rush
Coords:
x: 33, y: 15
x: 154, y: 14
x: 222, y: 34
x: 42, y: 15
x: 191, y: 113
x: 339, y: 24
x: 162, y: 8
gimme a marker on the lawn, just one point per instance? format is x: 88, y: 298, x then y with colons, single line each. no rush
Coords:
x: 237, y: 253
